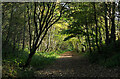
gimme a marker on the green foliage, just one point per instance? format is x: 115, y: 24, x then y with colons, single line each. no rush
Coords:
x: 78, y: 23
x: 62, y: 51
x: 12, y: 63
x: 113, y: 61
x: 40, y: 60
x: 108, y: 57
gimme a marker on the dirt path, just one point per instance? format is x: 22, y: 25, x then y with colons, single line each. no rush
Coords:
x: 72, y: 65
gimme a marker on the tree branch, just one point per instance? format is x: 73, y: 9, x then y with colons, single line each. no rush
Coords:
x: 36, y: 29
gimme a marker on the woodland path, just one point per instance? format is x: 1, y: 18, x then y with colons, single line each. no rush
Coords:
x: 72, y: 65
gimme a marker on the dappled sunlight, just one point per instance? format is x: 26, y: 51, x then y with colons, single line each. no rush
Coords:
x: 71, y: 65
x: 68, y: 54
x: 68, y: 39
x: 65, y: 56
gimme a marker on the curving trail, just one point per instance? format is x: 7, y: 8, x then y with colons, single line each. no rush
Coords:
x: 72, y: 65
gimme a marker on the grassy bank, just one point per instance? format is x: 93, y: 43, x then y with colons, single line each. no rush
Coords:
x: 11, y: 64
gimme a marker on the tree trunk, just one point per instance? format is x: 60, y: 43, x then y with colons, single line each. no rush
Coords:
x: 32, y: 52
x: 93, y: 44
x: 37, y: 35
x: 23, y: 39
x: 119, y: 20
x: 106, y: 26
x: 100, y: 36
x: 9, y: 28
x: 113, y: 37
x: 96, y: 28
x: 24, y: 32
x: 14, y: 41
x: 88, y: 39
x: 48, y: 42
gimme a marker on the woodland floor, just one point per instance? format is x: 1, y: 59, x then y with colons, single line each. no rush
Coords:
x: 72, y: 65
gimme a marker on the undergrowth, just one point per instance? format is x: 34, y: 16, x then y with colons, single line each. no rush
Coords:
x: 12, y: 61
x: 109, y: 56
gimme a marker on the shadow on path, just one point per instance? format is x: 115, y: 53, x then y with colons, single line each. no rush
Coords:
x: 71, y: 64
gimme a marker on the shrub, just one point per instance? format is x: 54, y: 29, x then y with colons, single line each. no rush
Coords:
x: 109, y: 56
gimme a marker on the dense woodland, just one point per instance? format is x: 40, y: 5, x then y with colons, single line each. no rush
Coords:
x: 34, y: 34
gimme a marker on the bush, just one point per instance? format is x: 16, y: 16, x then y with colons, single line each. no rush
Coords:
x: 113, y: 61
x: 109, y: 56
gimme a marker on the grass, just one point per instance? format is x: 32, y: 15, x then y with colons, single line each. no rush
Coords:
x: 40, y: 60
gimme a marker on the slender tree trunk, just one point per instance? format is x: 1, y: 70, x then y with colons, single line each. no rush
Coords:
x: 23, y: 39
x: 9, y: 29
x: 96, y: 28
x: 32, y: 52
x: 113, y: 37
x: 24, y: 32
x: 6, y: 42
x: 100, y: 36
x: 54, y: 43
x: 106, y: 25
x: 119, y: 20
x: 88, y: 38
x: 14, y: 41
x: 48, y: 42
x: 93, y: 44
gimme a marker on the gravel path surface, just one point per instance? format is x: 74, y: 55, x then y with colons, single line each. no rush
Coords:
x: 72, y: 65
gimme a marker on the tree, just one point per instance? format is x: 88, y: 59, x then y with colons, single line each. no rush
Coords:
x: 106, y: 25
x: 96, y: 26
x: 11, y: 26
x: 44, y: 16
x: 24, y: 28
x: 81, y: 23
x: 113, y: 37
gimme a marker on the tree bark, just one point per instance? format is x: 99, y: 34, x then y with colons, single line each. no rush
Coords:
x: 113, y: 37
x: 100, y: 36
x: 14, y: 41
x: 32, y: 52
x: 9, y: 29
x: 93, y: 44
x: 88, y: 39
x: 106, y: 26
x: 48, y: 41
x: 96, y: 28
x: 24, y: 31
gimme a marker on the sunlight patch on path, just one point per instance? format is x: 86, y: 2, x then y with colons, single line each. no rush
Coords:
x: 65, y: 56
x: 69, y: 54
x: 70, y: 64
